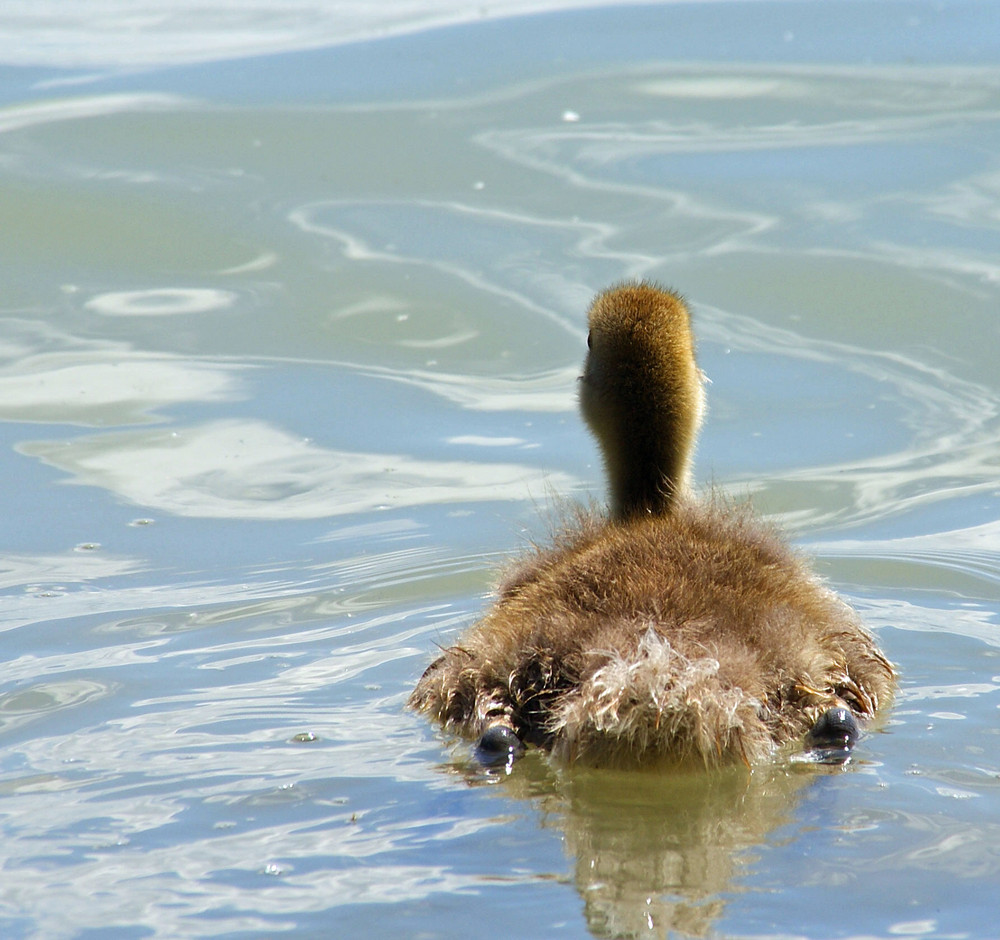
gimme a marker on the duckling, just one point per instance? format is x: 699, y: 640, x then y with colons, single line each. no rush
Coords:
x: 672, y: 630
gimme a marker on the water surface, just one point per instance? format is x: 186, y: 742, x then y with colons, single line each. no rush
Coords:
x: 289, y: 350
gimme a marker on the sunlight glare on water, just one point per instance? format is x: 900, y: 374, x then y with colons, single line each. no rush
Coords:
x: 292, y: 316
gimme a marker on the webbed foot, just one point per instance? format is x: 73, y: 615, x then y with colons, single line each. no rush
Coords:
x: 498, y: 746
x: 833, y: 736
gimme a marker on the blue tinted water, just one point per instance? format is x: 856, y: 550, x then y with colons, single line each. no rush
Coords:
x: 288, y: 355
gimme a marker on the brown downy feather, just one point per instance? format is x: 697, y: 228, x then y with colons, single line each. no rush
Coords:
x: 674, y: 631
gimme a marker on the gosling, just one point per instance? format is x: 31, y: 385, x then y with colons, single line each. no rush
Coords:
x: 674, y: 630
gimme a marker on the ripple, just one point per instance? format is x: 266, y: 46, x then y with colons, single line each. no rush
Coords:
x: 75, y: 109
x: 40, y: 572
x: 176, y: 32
x: 161, y: 302
x: 476, y: 245
x: 48, y: 375
x: 26, y: 704
x: 952, y: 423
x: 251, y: 470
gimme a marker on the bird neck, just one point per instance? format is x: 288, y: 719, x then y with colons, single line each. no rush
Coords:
x: 648, y: 454
x: 641, y: 394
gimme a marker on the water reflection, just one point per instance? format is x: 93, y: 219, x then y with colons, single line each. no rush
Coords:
x: 251, y: 470
x: 77, y: 108
x: 47, y: 374
x: 162, y: 301
x: 35, y: 701
x: 658, y: 854
x: 49, y: 573
x: 952, y: 426
x: 473, y: 246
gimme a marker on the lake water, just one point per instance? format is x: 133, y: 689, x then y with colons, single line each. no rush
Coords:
x: 289, y: 351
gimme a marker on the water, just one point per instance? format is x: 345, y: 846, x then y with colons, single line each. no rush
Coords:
x: 289, y: 350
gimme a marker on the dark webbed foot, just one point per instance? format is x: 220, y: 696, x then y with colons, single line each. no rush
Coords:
x: 498, y: 746
x: 833, y: 736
